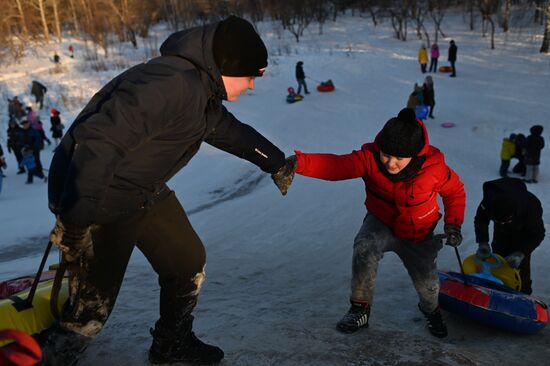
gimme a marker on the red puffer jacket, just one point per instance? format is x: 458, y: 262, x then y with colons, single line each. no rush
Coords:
x: 409, y: 207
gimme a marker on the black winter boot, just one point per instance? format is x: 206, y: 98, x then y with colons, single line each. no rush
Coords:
x: 357, y: 317
x: 436, y: 325
x: 172, y: 345
x: 61, y: 347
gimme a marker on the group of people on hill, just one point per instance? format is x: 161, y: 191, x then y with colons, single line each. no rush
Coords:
x: 27, y: 137
x: 434, y: 57
x: 108, y: 191
x: 423, y: 95
x: 526, y: 150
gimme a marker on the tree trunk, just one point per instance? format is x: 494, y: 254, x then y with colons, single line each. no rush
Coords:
x: 490, y: 20
x: 546, y: 40
x: 75, y: 20
x: 472, y: 15
x: 22, y: 19
x: 56, y: 20
x: 506, y: 19
x: 44, y: 22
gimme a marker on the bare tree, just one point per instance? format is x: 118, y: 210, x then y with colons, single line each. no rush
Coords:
x: 437, y: 9
x: 546, y: 40
x: 57, y: 22
x: 506, y: 15
x: 41, y: 6
x: 488, y: 8
x: 22, y: 19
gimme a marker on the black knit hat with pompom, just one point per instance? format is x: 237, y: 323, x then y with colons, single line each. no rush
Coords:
x: 402, y: 136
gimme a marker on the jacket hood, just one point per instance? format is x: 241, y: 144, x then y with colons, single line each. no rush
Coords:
x: 424, y: 149
x: 195, y: 45
x: 504, y: 194
x: 536, y: 130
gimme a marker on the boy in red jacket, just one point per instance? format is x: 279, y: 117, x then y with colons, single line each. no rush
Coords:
x: 402, y: 175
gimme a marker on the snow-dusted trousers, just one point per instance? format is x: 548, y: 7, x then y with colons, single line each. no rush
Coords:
x: 532, y: 172
x: 373, y: 240
x: 165, y: 236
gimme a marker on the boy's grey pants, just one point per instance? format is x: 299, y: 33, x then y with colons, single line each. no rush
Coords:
x: 372, y: 241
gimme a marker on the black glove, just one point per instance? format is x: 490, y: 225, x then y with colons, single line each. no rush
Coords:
x: 483, y: 251
x: 73, y: 240
x: 284, y: 176
x: 515, y: 259
x: 454, y: 236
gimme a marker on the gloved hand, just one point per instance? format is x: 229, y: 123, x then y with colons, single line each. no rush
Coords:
x: 483, y: 251
x: 514, y: 259
x: 454, y: 236
x: 284, y: 176
x: 73, y: 240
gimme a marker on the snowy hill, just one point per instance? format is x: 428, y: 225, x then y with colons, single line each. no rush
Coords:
x: 278, y: 268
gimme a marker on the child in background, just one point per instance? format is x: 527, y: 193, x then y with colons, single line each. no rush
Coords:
x: 423, y: 58
x: 57, y: 126
x: 520, y: 141
x: 29, y: 162
x: 506, y: 153
x: 533, y: 145
x: 434, y: 56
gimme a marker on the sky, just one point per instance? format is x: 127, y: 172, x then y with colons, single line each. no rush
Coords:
x: 278, y: 268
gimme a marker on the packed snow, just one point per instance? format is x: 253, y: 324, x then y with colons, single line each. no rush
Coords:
x: 278, y: 268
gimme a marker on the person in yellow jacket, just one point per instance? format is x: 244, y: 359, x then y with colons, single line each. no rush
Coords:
x: 508, y: 150
x: 423, y: 58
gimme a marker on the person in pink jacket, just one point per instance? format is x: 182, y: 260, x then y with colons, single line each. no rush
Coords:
x: 434, y: 55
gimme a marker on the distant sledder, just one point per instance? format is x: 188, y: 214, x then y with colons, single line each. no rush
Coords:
x: 326, y: 86
x: 292, y: 96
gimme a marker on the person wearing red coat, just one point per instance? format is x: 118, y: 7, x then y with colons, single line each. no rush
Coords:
x: 403, y: 174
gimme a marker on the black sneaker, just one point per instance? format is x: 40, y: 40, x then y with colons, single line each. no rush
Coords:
x: 436, y: 326
x: 357, y: 317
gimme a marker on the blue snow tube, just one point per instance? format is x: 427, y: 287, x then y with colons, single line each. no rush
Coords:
x: 421, y: 111
x: 491, y: 303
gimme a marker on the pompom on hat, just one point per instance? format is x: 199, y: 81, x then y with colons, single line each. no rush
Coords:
x: 402, y: 136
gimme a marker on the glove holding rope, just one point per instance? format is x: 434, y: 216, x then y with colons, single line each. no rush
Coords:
x: 73, y: 240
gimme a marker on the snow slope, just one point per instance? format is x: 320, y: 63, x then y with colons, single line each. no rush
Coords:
x: 278, y: 267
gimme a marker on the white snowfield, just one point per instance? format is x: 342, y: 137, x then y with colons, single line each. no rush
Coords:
x: 278, y: 268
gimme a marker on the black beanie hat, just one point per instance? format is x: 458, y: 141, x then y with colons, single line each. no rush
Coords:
x: 402, y: 136
x: 238, y: 49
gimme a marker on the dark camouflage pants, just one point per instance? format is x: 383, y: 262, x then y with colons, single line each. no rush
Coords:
x: 373, y: 240
x: 165, y: 236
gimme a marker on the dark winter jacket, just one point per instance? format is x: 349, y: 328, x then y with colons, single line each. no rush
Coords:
x: 15, y: 137
x: 31, y: 137
x: 525, y: 231
x: 37, y: 89
x: 409, y: 208
x: 520, y: 142
x: 57, y: 126
x: 300, y: 75
x: 429, y: 94
x: 533, y: 145
x: 452, y: 52
x: 144, y: 126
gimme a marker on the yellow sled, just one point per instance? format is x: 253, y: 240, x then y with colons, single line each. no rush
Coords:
x: 36, y: 318
x: 495, y: 266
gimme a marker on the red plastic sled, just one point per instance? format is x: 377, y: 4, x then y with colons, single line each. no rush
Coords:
x: 445, y: 69
x: 325, y: 88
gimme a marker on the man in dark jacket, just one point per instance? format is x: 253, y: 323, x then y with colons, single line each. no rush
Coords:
x: 533, y: 145
x: 452, y: 57
x: 301, y: 77
x: 38, y: 90
x: 518, y: 227
x: 32, y: 139
x: 107, y: 181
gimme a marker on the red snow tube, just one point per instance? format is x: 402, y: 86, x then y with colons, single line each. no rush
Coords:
x: 492, y: 304
x: 325, y: 88
x: 445, y: 69
x: 24, y: 351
